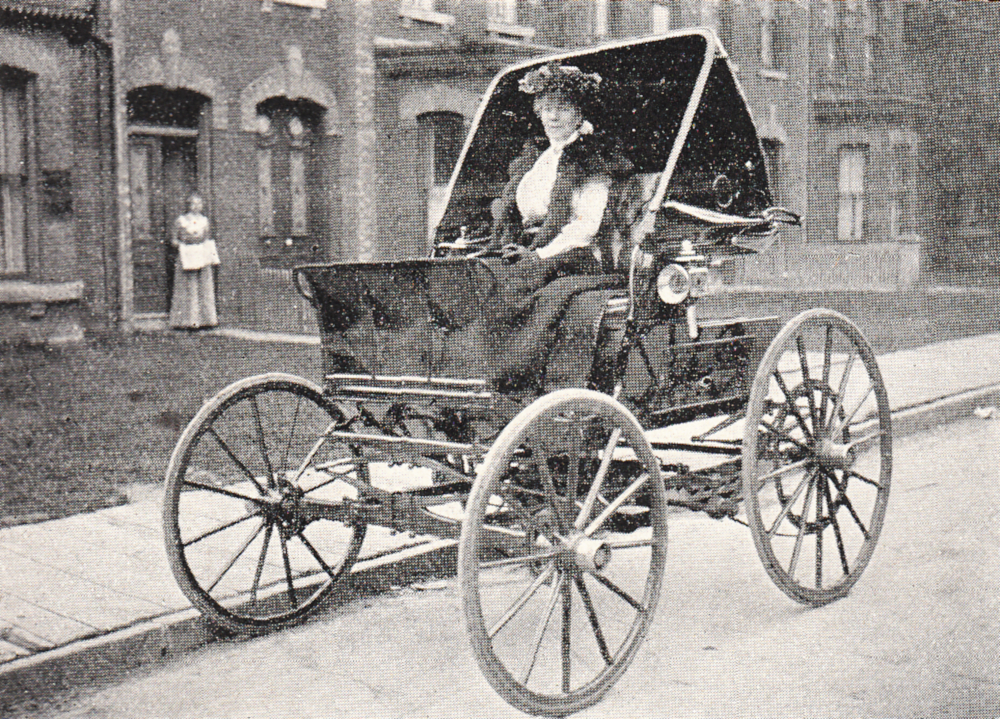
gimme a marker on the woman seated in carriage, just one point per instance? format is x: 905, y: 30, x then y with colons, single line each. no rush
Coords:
x: 553, y: 222
x: 552, y: 209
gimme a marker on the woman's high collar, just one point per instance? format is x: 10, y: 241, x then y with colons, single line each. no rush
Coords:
x: 585, y: 128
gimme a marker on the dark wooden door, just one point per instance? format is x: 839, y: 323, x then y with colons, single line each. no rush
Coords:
x: 180, y: 175
x: 149, y: 245
x: 163, y: 172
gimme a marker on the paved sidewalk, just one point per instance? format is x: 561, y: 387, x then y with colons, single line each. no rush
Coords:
x: 92, y: 595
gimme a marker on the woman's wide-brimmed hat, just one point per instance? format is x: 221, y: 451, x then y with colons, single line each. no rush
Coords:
x: 566, y: 80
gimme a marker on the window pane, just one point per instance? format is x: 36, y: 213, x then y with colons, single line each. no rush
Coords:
x: 435, y: 208
x: 14, y: 140
x: 297, y: 182
x: 781, y: 37
x: 767, y: 43
x: 503, y: 11
x: 13, y: 175
x: 772, y: 161
x: 851, y: 187
x: 441, y: 135
x: 13, y: 225
x: 447, y: 147
x: 445, y: 132
x: 709, y: 13
x: 290, y: 192
x: 600, y: 18
x: 852, y: 170
x: 903, y: 200
x: 661, y: 19
x: 265, y: 205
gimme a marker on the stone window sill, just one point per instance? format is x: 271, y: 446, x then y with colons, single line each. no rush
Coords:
x: 427, y: 16
x: 774, y: 74
x: 14, y: 292
x: 314, y: 4
x: 506, y: 29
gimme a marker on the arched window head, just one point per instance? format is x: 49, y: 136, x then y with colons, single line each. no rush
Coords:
x: 157, y: 105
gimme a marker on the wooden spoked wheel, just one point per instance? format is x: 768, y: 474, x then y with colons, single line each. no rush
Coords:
x: 562, y: 552
x: 238, y: 545
x: 817, y: 457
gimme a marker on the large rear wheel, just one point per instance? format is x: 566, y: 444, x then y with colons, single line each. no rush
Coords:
x: 817, y: 457
x: 562, y: 552
x: 238, y: 545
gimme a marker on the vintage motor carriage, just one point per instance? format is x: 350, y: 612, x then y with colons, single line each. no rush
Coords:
x: 557, y: 491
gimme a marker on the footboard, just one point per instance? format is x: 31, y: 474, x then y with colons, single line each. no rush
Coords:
x: 670, y: 378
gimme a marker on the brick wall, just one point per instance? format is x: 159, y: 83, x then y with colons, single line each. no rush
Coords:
x: 70, y: 234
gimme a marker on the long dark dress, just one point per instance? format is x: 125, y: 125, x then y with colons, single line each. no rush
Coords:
x: 536, y: 292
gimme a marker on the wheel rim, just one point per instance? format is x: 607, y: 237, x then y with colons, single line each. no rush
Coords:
x: 559, y: 594
x: 817, y: 457
x: 239, y: 545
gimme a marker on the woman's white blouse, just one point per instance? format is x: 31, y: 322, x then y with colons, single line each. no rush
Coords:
x: 587, y: 203
x: 195, y: 226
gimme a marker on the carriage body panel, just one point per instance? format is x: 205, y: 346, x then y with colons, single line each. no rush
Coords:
x: 421, y: 318
x: 431, y: 322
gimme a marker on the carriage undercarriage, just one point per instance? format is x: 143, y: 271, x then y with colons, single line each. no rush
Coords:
x: 276, y: 482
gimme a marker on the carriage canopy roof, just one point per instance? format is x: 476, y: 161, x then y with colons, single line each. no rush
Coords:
x: 673, y: 104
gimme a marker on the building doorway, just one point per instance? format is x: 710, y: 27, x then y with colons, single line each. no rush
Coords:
x: 168, y: 159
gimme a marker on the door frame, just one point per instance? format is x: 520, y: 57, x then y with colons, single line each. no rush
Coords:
x: 139, y: 132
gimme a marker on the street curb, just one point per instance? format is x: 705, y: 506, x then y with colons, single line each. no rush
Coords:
x: 31, y: 681
x: 923, y: 416
x: 103, y: 659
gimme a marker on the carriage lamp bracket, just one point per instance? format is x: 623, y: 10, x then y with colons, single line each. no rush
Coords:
x: 696, y: 267
x: 697, y: 270
x: 301, y: 284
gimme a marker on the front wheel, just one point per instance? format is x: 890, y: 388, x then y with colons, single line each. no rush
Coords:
x: 562, y: 552
x: 239, y: 545
x: 817, y: 457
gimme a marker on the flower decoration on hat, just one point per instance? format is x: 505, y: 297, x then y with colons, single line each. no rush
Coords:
x: 568, y: 80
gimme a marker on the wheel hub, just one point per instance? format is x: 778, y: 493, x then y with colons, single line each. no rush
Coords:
x: 281, y: 507
x: 592, y: 555
x: 834, y: 455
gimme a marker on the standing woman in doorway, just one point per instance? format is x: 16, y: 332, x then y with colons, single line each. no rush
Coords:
x: 192, y: 305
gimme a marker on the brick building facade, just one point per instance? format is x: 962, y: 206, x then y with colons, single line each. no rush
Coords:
x: 962, y: 41
x: 57, y: 231
x: 255, y: 106
x: 320, y: 130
